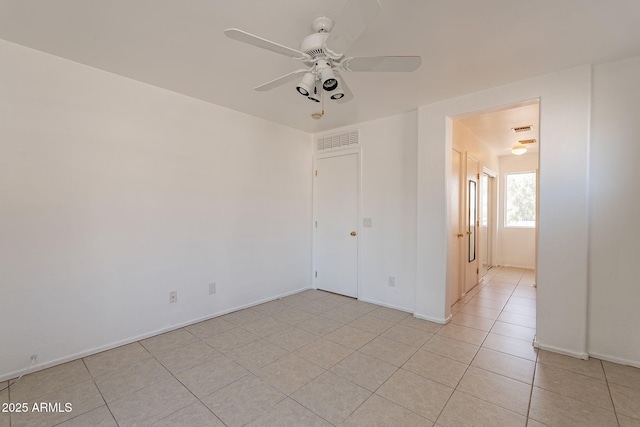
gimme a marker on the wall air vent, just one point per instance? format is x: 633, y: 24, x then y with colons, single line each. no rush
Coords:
x: 337, y: 141
x: 522, y: 129
x: 527, y: 141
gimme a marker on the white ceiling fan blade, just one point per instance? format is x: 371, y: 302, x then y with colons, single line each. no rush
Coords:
x: 348, y: 95
x: 382, y: 63
x: 354, y: 20
x: 244, y: 37
x: 280, y: 81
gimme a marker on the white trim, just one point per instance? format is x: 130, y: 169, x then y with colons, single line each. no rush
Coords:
x: 583, y: 356
x: 120, y: 343
x: 506, y: 194
x: 489, y: 172
x: 324, y: 155
x: 514, y: 266
x: 384, y: 304
x: 443, y: 321
x: 456, y: 288
x: 614, y: 359
x: 493, y: 210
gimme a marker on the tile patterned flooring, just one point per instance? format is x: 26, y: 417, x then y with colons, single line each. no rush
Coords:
x: 319, y: 359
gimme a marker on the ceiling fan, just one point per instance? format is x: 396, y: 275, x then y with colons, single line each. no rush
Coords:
x: 323, y: 53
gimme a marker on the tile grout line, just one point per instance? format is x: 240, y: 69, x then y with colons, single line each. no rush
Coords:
x: 470, y: 363
x: 535, y: 365
x: 385, y: 381
x: 535, y: 368
x: 183, y: 385
x: 394, y: 372
x: 9, y: 399
x: 99, y: 391
x: 615, y: 411
x: 176, y: 378
x: 290, y: 395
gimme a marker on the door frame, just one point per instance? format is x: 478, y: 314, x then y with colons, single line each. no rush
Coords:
x: 455, y: 287
x: 492, y: 192
x: 325, y: 155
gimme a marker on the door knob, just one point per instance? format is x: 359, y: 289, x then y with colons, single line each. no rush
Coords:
x: 469, y: 232
x: 460, y: 234
x: 353, y: 233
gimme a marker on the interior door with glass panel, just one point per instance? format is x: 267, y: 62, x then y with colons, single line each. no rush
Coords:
x: 471, y: 224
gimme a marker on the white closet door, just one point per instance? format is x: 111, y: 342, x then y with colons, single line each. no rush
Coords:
x: 337, y: 224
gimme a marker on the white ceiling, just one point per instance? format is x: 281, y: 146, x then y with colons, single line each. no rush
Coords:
x: 466, y: 46
x: 495, y: 128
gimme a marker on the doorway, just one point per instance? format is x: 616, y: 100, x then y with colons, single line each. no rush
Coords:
x: 476, y: 191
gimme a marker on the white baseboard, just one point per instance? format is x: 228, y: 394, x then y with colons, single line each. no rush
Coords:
x: 614, y: 359
x: 584, y: 355
x: 95, y: 350
x: 384, y: 304
x: 440, y: 320
x: 516, y: 266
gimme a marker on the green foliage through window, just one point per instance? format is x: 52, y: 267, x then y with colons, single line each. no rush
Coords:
x: 520, y: 210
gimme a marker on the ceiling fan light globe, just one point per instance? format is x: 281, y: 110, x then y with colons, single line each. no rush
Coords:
x: 316, y: 92
x: 329, y: 81
x: 330, y: 84
x: 338, y: 92
x: 306, y: 85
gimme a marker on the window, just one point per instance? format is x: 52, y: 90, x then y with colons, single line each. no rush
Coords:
x: 520, y: 203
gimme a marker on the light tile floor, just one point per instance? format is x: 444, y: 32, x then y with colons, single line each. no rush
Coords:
x: 319, y: 359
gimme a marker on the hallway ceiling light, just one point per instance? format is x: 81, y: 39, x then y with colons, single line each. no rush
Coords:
x: 518, y: 149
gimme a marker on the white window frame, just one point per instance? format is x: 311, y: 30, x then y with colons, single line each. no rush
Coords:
x: 506, y: 198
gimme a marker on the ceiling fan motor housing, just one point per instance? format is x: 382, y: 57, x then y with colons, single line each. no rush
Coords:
x: 313, y: 44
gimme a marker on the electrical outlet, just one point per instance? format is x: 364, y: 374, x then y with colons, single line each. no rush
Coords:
x: 173, y: 296
x: 34, y: 357
x: 212, y: 288
x: 392, y: 281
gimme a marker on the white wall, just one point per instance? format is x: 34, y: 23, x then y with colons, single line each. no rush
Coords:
x: 388, y: 248
x: 614, y: 293
x: 563, y: 226
x: 516, y: 246
x: 465, y: 140
x: 114, y: 193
